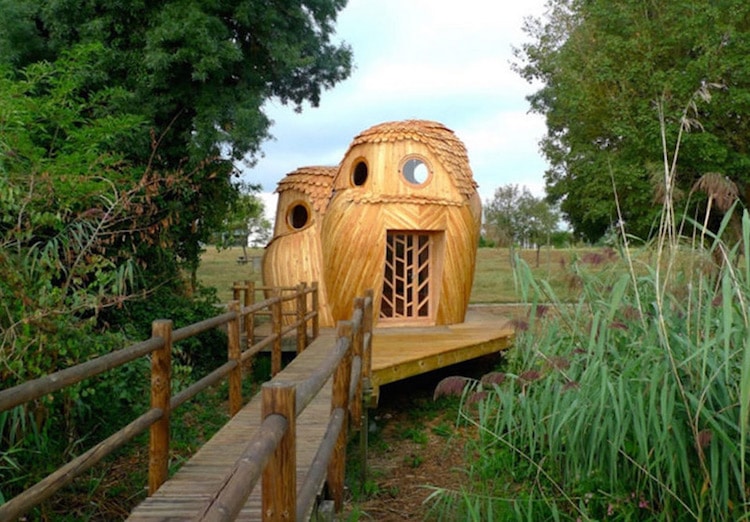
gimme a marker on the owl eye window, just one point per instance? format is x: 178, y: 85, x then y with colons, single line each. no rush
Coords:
x: 298, y: 216
x: 359, y: 174
x: 415, y: 170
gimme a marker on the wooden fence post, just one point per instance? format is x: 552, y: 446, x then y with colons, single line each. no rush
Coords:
x: 316, y: 308
x: 301, y: 313
x: 236, y: 289
x: 161, y: 390
x: 340, y: 399
x: 358, y: 342
x: 280, y: 474
x: 367, y: 326
x: 276, y: 314
x: 249, y: 318
x: 234, y: 354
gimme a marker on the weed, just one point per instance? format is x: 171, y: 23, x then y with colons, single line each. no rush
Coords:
x: 443, y: 429
x: 413, y: 460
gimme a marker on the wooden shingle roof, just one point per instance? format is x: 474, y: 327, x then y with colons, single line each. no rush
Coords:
x: 315, y: 182
x: 439, y: 139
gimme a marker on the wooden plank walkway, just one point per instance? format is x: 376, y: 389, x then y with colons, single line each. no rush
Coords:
x: 183, y: 495
x: 397, y: 353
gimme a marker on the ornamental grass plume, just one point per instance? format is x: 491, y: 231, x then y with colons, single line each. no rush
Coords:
x: 452, y: 386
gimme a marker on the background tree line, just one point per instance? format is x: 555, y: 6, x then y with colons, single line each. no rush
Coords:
x: 516, y: 217
x: 620, y: 81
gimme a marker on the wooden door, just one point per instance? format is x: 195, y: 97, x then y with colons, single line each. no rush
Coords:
x: 407, y: 277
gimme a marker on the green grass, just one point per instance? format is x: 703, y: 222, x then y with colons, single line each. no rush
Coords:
x: 494, y: 280
x: 219, y: 269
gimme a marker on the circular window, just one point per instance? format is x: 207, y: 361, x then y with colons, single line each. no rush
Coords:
x: 298, y: 216
x: 359, y: 176
x: 415, y: 170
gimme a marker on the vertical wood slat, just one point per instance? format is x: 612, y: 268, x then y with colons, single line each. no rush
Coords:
x: 279, y: 495
x: 316, y: 309
x: 234, y: 354
x: 340, y: 399
x: 276, y: 314
x: 301, y: 323
x: 161, y: 390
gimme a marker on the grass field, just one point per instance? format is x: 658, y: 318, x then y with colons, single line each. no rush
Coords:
x: 493, y: 280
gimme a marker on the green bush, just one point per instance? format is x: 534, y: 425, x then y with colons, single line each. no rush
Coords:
x: 201, y: 353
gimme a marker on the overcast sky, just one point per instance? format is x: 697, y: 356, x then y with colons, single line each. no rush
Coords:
x: 442, y: 60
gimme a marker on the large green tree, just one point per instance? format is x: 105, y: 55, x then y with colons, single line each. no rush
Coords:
x: 193, y: 74
x: 613, y: 75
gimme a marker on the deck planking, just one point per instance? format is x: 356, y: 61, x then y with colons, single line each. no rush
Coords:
x: 402, y: 352
x: 195, y: 483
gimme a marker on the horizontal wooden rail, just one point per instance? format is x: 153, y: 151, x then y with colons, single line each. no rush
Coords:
x: 281, y: 498
x: 246, y: 472
x: 202, y: 326
x: 53, y: 382
x: 48, y: 486
x: 202, y: 384
x: 156, y: 418
x: 309, y: 488
x: 307, y: 390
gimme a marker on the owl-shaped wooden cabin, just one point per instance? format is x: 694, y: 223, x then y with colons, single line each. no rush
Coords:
x: 294, y: 254
x: 403, y: 219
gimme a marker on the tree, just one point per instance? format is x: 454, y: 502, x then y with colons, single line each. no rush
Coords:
x: 516, y: 216
x: 608, y: 72
x: 246, y: 223
x: 193, y: 75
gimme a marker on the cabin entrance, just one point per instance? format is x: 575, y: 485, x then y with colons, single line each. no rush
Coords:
x: 407, y: 277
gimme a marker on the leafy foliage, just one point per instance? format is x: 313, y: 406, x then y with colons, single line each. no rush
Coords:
x: 120, y: 123
x: 193, y: 76
x: 515, y: 216
x: 610, y: 74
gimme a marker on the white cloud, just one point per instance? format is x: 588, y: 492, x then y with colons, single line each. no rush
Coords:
x: 432, y: 59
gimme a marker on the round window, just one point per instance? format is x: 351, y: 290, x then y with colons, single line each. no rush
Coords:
x: 415, y: 170
x: 359, y: 175
x: 298, y: 216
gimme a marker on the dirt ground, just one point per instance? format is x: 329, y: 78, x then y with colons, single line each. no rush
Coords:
x: 414, y: 448
x: 403, y: 473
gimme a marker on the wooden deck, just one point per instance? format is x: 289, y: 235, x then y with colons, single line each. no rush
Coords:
x: 188, y: 491
x: 399, y: 353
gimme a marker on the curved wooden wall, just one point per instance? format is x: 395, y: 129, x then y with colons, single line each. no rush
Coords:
x: 355, y: 206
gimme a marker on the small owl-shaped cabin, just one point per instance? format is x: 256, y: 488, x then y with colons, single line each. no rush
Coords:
x: 402, y: 218
x: 294, y: 254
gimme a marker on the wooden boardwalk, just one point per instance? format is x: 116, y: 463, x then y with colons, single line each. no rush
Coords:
x: 194, y: 484
x: 397, y: 353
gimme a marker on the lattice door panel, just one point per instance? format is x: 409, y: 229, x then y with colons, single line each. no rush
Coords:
x: 406, y: 280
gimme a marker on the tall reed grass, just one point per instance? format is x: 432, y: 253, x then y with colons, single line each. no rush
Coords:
x: 631, y: 404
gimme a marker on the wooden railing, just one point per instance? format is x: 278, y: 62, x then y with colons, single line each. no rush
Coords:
x: 271, y: 452
x: 245, y: 293
x: 157, y: 418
